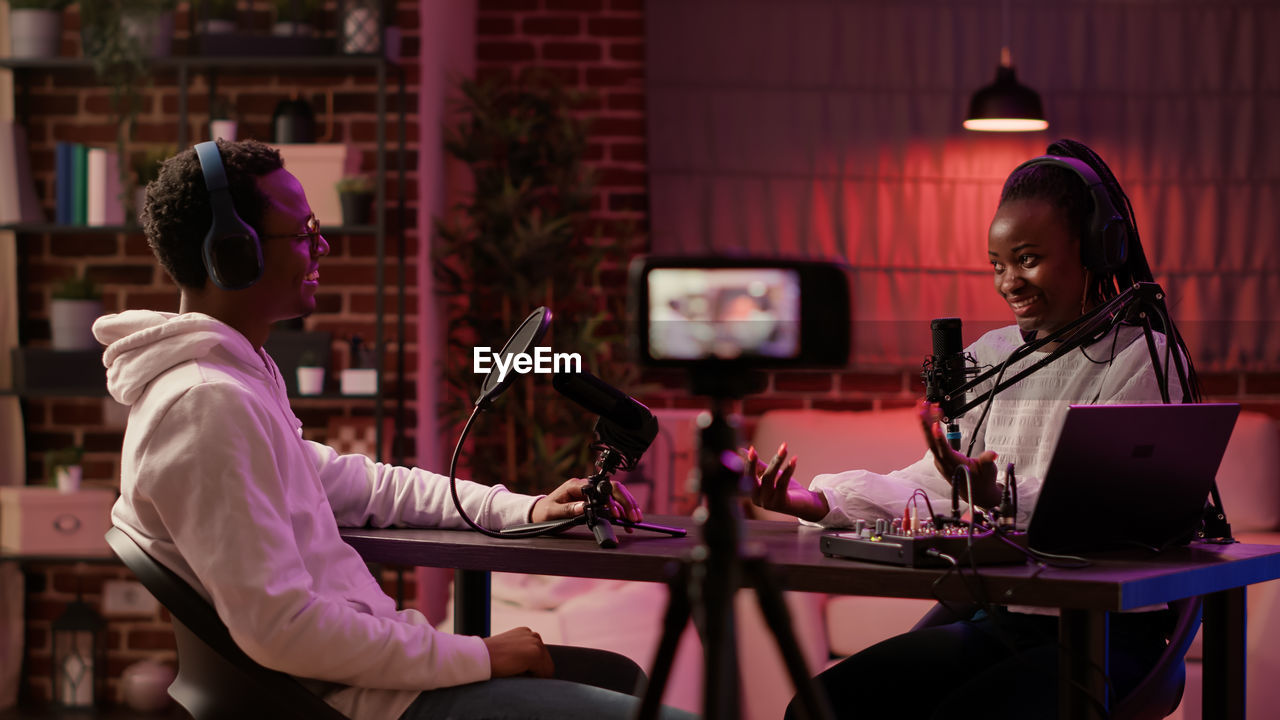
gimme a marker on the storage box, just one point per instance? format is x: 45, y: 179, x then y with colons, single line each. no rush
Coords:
x: 45, y: 371
x: 43, y: 521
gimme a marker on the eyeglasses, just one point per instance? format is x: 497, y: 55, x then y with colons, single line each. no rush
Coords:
x: 312, y: 233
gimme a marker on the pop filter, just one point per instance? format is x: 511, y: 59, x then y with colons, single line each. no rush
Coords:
x: 522, y: 341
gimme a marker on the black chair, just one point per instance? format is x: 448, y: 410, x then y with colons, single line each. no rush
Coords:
x: 216, y: 680
x: 1159, y: 693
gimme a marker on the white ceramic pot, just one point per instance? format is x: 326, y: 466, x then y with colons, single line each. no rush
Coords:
x: 71, y: 323
x: 67, y: 478
x: 225, y: 129
x: 310, y: 380
x: 35, y: 33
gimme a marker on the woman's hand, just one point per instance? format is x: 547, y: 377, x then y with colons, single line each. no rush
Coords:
x: 777, y: 490
x: 569, y: 501
x: 982, y: 469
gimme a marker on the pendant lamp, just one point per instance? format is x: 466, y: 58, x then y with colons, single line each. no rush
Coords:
x: 1005, y: 105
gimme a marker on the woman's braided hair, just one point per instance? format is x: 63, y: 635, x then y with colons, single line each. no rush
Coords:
x: 1063, y: 188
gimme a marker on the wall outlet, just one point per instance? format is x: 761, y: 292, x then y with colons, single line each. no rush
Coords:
x: 127, y: 597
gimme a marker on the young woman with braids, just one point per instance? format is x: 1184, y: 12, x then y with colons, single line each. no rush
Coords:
x: 1051, y: 264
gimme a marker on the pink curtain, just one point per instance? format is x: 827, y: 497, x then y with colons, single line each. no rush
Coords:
x: 831, y: 129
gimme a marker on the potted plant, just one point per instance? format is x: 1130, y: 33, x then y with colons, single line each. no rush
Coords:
x: 360, y: 377
x: 35, y: 28
x: 296, y: 18
x: 76, y: 303
x: 120, y: 37
x: 62, y: 468
x: 126, y: 32
x: 356, y: 193
x: 522, y: 238
x: 310, y: 374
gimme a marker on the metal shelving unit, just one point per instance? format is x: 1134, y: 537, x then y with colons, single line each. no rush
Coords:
x: 185, y: 67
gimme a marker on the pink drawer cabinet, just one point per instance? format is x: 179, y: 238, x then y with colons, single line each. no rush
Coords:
x: 43, y: 521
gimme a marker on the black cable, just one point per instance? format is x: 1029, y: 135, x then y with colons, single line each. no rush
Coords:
x: 457, y: 502
x: 991, y: 397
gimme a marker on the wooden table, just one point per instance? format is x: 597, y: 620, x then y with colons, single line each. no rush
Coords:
x: 1114, y: 582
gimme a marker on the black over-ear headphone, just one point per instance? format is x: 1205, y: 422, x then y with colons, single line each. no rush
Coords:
x: 1107, y: 246
x: 232, y: 253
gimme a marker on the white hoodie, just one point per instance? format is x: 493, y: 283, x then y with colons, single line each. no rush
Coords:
x: 218, y: 485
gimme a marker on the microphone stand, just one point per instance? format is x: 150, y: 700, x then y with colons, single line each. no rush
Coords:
x: 1139, y: 302
x: 620, y: 450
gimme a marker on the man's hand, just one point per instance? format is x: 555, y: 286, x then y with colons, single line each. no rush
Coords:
x: 518, y: 652
x: 776, y: 489
x: 982, y: 469
x: 569, y: 500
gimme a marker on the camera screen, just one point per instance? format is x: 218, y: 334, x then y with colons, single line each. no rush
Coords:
x: 723, y: 313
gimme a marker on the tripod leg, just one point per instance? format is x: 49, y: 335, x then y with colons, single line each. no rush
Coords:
x: 673, y: 623
x: 716, y: 584
x: 672, y: 531
x: 813, y: 701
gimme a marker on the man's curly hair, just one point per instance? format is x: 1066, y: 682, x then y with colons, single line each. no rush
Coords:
x: 176, y: 215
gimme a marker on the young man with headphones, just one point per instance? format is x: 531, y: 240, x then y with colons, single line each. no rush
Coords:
x: 218, y: 484
x: 1062, y: 240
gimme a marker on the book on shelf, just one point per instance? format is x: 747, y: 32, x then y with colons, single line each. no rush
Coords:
x: 64, y: 182
x: 79, y: 188
x: 87, y: 185
x: 104, y: 203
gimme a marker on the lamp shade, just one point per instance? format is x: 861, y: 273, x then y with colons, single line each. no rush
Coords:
x: 1005, y: 105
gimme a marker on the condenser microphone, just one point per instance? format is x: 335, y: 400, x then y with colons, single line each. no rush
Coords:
x: 944, y: 369
x: 604, y: 400
x: 624, y: 424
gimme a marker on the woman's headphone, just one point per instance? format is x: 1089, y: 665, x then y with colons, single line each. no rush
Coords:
x: 1107, y: 246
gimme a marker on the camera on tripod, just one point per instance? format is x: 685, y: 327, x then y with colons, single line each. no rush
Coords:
x: 728, y: 314
x: 726, y: 320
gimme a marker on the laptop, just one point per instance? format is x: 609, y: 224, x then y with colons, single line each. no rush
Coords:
x: 1130, y: 476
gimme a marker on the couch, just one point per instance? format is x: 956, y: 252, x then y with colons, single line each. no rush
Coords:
x: 626, y: 616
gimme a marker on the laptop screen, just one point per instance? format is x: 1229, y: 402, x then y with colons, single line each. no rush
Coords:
x: 1130, y: 476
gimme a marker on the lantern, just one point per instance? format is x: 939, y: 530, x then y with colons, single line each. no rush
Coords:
x: 79, y: 656
x: 361, y: 25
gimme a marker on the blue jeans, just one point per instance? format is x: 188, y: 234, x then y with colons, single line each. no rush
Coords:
x: 571, y: 695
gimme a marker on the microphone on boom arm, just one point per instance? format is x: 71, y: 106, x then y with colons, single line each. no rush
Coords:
x: 945, y: 370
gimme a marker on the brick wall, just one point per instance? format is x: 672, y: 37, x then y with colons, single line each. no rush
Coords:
x: 599, y: 45
x: 69, y: 105
x: 593, y: 44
